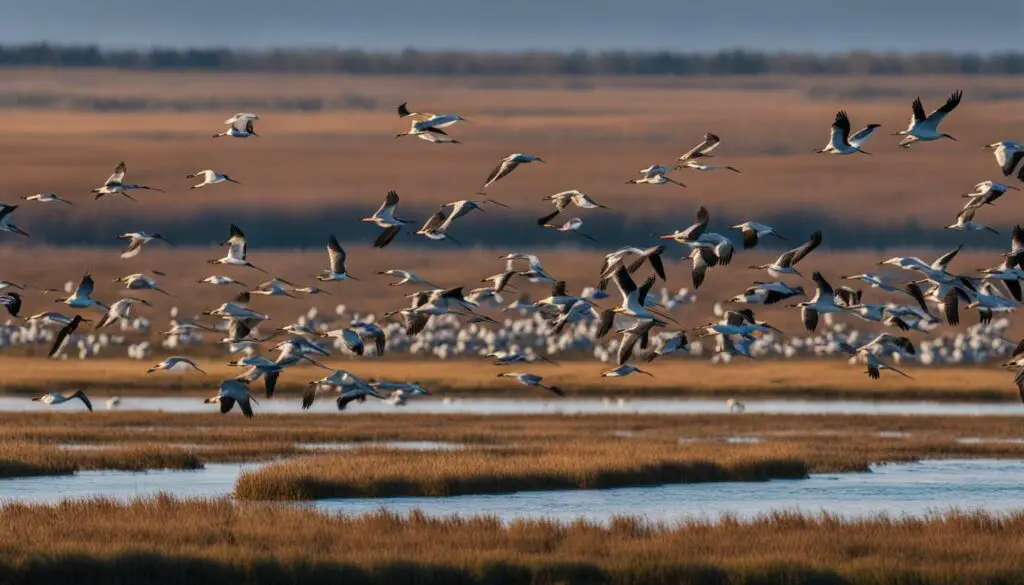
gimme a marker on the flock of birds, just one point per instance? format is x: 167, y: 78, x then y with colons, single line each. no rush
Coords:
x: 641, y: 320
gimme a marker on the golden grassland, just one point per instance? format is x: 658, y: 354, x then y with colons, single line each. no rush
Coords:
x: 674, y: 377
x: 501, y: 452
x: 596, y: 134
x: 163, y: 540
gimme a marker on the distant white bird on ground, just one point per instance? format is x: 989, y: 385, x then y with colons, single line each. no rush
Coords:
x: 210, y: 177
x: 53, y: 398
x: 926, y: 128
x: 47, y: 198
x: 735, y: 406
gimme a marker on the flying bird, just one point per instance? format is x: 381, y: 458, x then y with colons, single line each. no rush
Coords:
x: 840, y: 141
x: 237, y: 245
x: 336, y: 269
x: 53, y: 398
x: 509, y: 164
x: 239, y: 126
x: 926, y: 128
x: 385, y: 218
x: 1008, y: 154
x: 5, y: 220
x: 115, y: 184
x: 138, y: 240
x: 47, y: 198
x: 210, y: 177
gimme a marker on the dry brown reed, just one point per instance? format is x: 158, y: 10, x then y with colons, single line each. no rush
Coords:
x: 163, y: 541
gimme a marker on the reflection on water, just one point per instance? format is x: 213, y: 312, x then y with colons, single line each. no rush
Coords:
x: 898, y: 489
x: 566, y: 406
x: 217, y: 479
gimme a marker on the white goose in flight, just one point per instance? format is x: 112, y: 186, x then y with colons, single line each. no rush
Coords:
x: 509, y: 164
x: 336, y: 269
x: 1008, y: 154
x: 840, y: 141
x: 210, y: 177
x: 237, y: 246
x: 52, y: 398
x: 926, y: 128
x: 115, y: 184
x: 239, y: 126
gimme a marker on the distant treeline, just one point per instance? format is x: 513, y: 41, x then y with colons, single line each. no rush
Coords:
x: 618, y: 63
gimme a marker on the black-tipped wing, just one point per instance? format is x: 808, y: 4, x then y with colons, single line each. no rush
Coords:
x: 337, y: 255
x: 824, y: 288
x: 703, y: 258
x: 942, y: 262
x: 86, y: 286
x: 809, y: 317
x: 918, y: 110
x: 12, y: 301
x: 841, y: 129
x: 951, y: 103
x: 623, y: 281
x: 915, y: 291
x: 749, y: 238
x: 808, y: 247
x: 558, y: 289
x: 951, y: 306
x: 434, y: 223
x: 63, y: 335
x: 387, y: 236
x: 547, y: 218
x: 504, y: 168
x: 656, y: 264
x: 403, y: 111
x: 710, y: 142
x: 607, y: 320
x: 645, y: 289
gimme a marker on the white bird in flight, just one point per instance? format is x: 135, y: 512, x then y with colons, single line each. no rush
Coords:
x: 210, y: 177
x: 926, y: 128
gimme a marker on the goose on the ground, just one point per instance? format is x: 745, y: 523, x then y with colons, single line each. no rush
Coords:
x: 926, y: 128
x: 52, y: 398
x: 735, y: 406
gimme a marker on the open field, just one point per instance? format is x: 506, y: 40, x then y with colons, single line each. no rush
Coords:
x: 196, y: 541
x: 826, y: 378
x: 502, y: 452
x: 66, y: 131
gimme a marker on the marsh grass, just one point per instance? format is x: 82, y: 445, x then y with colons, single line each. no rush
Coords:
x: 162, y: 540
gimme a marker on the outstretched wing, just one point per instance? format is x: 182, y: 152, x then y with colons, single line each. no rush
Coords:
x: 337, y: 256
x: 840, y: 130
x: 951, y: 103
x: 504, y: 168
x: 12, y: 301
x: 710, y: 142
x: 118, y: 177
x: 808, y: 247
x: 918, y: 112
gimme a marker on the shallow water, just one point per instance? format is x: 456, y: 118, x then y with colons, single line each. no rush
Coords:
x: 400, y: 445
x: 899, y: 489
x: 560, y: 407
